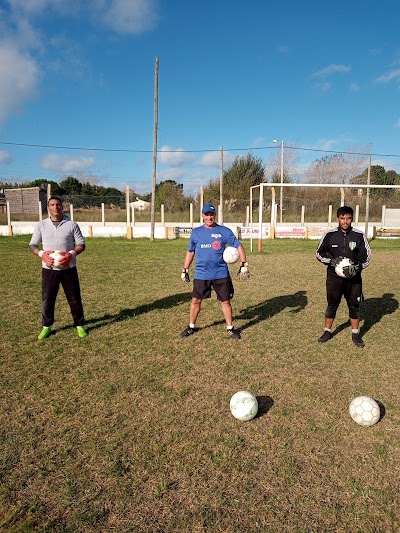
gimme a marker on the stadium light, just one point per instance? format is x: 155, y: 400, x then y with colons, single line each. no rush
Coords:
x: 281, y: 193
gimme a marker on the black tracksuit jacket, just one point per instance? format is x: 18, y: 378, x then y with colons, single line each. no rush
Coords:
x: 352, y: 244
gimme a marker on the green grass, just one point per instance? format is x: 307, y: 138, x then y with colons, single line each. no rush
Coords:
x: 130, y: 429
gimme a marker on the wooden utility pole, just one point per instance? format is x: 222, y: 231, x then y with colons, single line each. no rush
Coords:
x: 221, y: 193
x: 154, y: 174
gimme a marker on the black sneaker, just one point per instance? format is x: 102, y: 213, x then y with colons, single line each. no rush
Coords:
x: 326, y: 336
x: 188, y: 331
x: 233, y: 333
x: 355, y: 337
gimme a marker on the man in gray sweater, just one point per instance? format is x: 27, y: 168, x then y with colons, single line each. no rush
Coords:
x: 59, y: 233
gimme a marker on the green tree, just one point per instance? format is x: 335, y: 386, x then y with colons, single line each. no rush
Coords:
x: 392, y: 178
x: 111, y: 195
x: 71, y: 185
x: 170, y: 194
x: 55, y: 187
x: 379, y: 176
x: 245, y: 172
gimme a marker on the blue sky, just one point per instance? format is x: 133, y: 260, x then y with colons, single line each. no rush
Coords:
x: 237, y: 74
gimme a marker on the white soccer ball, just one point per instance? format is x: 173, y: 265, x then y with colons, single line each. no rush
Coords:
x: 339, y: 268
x: 364, y: 411
x: 57, y: 256
x: 243, y: 405
x: 231, y: 255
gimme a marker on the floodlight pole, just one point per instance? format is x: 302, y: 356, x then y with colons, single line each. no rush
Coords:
x: 367, y: 198
x: 281, y: 191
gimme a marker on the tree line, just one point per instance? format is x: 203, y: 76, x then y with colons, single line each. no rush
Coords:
x: 245, y: 172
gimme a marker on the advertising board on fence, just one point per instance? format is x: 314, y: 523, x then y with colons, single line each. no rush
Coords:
x: 290, y: 232
x: 316, y: 232
x: 248, y: 232
x: 388, y: 232
x: 182, y: 232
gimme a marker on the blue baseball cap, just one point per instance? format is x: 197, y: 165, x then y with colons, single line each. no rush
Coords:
x: 208, y: 208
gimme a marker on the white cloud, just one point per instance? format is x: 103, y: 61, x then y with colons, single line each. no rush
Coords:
x: 21, y: 37
x: 387, y: 164
x: 211, y: 159
x: 175, y: 174
x: 397, y: 124
x: 325, y: 73
x: 5, y: 157
x: 17, y: 32
x: 393, y: 75
x: 331, y: 69
x: 39, y: 8
x: 127, y: 16
x: 18, y: 80
x: 282, y: 49
x: 354, y: 87
x: 259, y: 142
x: 327, y: 144
x: 30, y: 6
x: 325, y: 87
x: 69, y: 59
x: 174, y: 156
x: 64, y: 164
x: 121, y: 16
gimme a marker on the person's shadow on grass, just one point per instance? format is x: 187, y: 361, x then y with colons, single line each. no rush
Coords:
x: 374, y: 309
x: 167, y: 302
x: 372, y: 312
x: 264, y: 310
x: 261, y: 311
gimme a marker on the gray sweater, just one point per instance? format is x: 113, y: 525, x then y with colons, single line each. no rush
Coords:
x: 64, y: 237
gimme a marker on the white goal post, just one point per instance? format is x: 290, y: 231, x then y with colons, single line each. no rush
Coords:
x: 272, y: 186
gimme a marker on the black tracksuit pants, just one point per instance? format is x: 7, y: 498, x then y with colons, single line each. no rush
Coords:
x: 51, y: 280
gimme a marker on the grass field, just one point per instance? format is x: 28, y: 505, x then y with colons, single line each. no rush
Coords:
x: 130, y: 429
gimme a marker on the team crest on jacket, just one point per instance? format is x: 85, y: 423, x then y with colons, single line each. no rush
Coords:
x: 352, y: 245
x: 216, y: 245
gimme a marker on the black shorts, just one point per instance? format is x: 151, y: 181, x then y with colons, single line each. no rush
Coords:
x: 350, y: 288
x: 223, y: 288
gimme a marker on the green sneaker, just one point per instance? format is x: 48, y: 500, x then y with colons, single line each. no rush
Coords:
x: 44, y: 333
x: 81, y: 331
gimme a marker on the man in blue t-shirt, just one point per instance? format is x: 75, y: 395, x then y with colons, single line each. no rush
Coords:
x: 207, y: 243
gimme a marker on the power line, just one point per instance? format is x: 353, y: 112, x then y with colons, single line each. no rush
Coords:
x: 203, y: 150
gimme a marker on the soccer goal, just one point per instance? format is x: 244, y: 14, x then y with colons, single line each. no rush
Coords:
x: 354, y: 194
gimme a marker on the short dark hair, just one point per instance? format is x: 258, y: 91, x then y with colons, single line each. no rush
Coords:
x: 55, y: 198
x: 344, y: 210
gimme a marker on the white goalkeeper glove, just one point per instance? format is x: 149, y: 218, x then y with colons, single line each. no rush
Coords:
x: 244, y: 271
x: 185, y: 275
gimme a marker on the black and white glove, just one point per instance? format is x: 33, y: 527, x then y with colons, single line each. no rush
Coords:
x: 351, y: 270
x: 244, y: 271
x: 335, y: 261
x: 185, y: 275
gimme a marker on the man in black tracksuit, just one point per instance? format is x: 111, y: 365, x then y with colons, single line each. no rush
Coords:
x: 344, y: 241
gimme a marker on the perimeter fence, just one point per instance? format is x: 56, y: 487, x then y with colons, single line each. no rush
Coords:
x: 310, y: 203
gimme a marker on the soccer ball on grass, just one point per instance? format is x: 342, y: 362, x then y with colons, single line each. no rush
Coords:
x: 231, y: 255
x: 243, y: 405
x: 364, y: 411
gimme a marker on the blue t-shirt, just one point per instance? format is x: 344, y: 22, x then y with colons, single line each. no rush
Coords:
x: 209, y: 244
